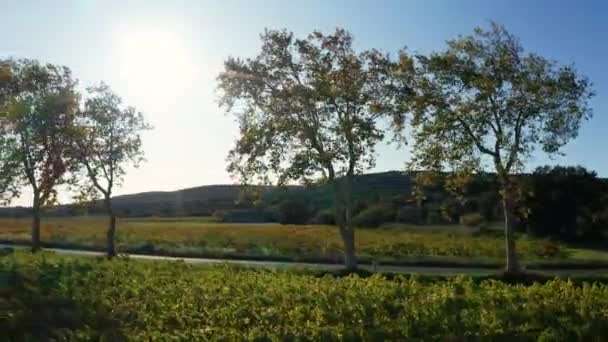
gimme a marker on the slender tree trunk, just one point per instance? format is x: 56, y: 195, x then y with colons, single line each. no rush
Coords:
x: 111, y: 233
x: 348, y: 238
x: 36, y: 225
x: 512, y: 265
x: 344, y: 220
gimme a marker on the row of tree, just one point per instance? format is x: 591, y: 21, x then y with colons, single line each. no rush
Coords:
x: 315, y: 108
x: 52, y: 135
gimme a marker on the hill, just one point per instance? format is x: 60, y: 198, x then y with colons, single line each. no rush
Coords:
x: 205, y: 200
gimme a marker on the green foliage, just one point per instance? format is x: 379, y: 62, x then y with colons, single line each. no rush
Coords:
x: 38, y: 103
x: 567, y: 203
x: 306, y: 107
x: 106, y: 140
x: 375, y: 215
x: 309, y: 109
x: 484, y: 101
x: 484, y: 97
x: 48, y: 298
x: 293, y: 211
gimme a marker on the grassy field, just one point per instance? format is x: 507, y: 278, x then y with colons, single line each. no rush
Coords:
x: 47, y: 297
x: 204, y: 237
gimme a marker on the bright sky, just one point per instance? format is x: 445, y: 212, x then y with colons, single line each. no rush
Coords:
x: 163, y: 56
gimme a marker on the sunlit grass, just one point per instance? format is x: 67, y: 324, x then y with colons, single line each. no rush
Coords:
x: 201, y: 236
x: 49, y: 297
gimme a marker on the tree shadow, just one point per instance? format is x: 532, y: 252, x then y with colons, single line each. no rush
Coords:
x: 32, y: 308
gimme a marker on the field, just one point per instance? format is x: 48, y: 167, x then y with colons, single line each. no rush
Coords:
x: 46, y: 297
x: 203, y: 237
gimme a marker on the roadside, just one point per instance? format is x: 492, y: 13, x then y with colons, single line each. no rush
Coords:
x: 381, y: 268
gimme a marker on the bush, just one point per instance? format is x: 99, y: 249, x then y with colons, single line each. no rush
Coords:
x: 324, y: 217
x: 46, y: 298
x: 410, y: 214
x: 293, y: 211
x: 374, y: 216
x: 472, y: 220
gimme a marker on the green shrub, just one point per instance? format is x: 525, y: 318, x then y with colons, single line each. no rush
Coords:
x: 293, y: 211
x: 374, y: 216
x: 46, y: 298
x: 472, y: 220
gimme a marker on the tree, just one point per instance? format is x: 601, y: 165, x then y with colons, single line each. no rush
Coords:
x: 484, y: 101
x: 105, y: 142
x: 563, y: 199
x: 40, y: 103
x: 295, y: 210
x: 9, y: 164
x: 308, y: 109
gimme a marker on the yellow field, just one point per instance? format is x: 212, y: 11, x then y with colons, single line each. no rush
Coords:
x: 203, y: 237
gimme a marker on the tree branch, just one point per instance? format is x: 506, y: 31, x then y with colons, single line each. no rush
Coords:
x: 476, y: 141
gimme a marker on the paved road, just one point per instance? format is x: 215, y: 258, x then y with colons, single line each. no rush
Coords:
x: 302, y: 265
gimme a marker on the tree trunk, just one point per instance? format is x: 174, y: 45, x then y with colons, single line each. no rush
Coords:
x: 348, y: 238
x: 345, y: 224
x: 36, y: 226
x: 512, y: 265
x: 111, y: 233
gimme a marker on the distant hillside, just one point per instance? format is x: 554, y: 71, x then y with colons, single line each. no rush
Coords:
x: 369, y: 187
x: 386, y: 187
x: 201, y: 200
x: 205, y: 200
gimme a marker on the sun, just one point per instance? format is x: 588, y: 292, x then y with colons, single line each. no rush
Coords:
x: 155, y: 62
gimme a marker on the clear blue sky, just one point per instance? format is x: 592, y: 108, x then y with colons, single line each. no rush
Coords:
x: 163, y: 57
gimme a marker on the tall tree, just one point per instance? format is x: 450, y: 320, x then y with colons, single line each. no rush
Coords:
x: 484, y: 101
x: 9, y: 165
x: 106, y: 141
x: 40, y: 103
x: 308, y: 109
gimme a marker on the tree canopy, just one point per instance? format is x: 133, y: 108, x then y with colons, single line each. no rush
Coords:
x: 485, y: 97
x: 39, y: 106
x: 106, y: 140
x: 485, y: 103
x: 308, y: 109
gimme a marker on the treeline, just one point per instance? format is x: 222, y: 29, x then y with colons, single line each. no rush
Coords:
x: 51, y: 134
x: 311, y: 110
x: 566, y: 203
x: 315, y: 108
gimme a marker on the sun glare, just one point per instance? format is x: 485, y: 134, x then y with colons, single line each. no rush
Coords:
x: 155, y: 61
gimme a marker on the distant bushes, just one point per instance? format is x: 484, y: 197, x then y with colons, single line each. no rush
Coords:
x: 374, y: 216
x: 293, y: 211
x: 568, y: 203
